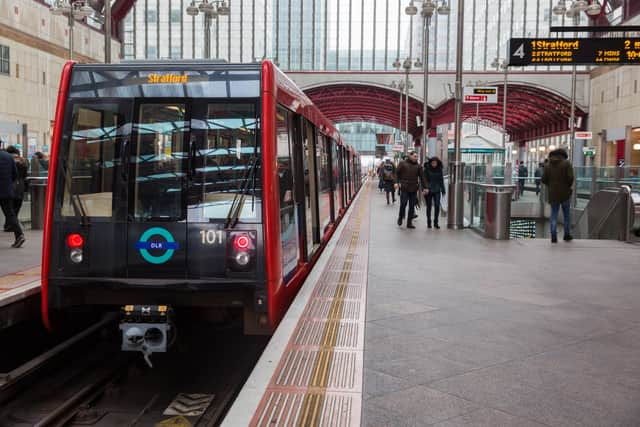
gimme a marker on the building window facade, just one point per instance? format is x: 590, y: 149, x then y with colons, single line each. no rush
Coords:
x: 5, y: 63
x: 345, y: 35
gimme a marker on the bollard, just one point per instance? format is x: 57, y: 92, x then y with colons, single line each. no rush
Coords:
x: 498, y: 212
x: 38, y: 192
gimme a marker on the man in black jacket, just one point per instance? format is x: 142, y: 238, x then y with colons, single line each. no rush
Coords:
x: 409, y: 173
x: 8, y: 174
x: 435, y: 180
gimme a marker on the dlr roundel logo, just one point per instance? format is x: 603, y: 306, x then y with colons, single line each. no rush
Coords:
x: 149, y: 241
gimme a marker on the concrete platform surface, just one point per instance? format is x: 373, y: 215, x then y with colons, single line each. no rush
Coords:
x: 28, y: 256
x: 464, y: 331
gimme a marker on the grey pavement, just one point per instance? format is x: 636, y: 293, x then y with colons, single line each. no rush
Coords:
x: 29, y: 255
x: 464, y: 331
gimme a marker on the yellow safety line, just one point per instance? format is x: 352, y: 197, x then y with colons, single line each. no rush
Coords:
x: 314, y: 398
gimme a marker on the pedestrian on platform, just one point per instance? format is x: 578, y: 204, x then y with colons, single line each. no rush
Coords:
x: 380, y: 179
x: 558, y: 177
x: 538, y: 176
x: 523, y: 173
x: 8, y: 175
x: 435, y: 185
x: 389, y: 178
x: 19, y: 185
x: 410, y: 176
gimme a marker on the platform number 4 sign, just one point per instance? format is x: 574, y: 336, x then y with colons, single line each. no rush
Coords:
x: 519, y: 52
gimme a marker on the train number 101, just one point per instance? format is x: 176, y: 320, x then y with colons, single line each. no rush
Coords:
x: 211, y: 237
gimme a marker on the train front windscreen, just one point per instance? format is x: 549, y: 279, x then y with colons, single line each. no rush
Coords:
x: 158, y: 172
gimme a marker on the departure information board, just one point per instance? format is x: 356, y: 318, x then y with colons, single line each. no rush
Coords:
x: 576, y: 51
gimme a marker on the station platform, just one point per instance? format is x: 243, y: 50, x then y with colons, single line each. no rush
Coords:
x: 19, y: 277
x: 458, y: 331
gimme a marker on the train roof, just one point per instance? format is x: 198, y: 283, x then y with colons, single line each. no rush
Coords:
x: 106, y: 80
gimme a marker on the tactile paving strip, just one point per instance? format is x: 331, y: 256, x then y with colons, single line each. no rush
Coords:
x: 326, y: 409
x: 318, y: 381
x: 19, y: 278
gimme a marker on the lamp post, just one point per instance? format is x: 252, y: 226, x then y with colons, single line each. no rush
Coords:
x: 400, y: 87
x: 397, y: 64
x: 455, y: 213
x: 406, y: 85
x: 428, y: 8
x: 499, y: 64
x: 73, y: 9
x: 107, y: 31
x: 407, y: 67
x: 211, y: 9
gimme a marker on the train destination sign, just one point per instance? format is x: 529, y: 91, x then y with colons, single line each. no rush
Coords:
x: 576, y: 51
x: 480, y: 95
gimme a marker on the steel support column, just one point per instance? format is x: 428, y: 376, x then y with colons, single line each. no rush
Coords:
x: 455, y: 213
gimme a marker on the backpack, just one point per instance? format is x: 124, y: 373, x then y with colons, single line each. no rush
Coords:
x: 387, y: 173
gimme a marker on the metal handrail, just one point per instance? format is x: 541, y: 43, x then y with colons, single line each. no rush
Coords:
x: 623, y: 192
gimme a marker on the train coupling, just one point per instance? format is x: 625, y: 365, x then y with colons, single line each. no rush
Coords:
x: 146, y: 328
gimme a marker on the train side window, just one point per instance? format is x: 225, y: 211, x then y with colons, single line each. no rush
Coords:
x: 93, y: 158
x: 289, y: 239
x: 324, y: 183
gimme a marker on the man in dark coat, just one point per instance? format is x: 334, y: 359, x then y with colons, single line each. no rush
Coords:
x: 523, y: 173
x: 409, y: 176
x: 19, y: 185
x: 9, y: 174
x: 435, y: 182
x: 538, y: 175
x: 558, y: 177
x: 389, y: 178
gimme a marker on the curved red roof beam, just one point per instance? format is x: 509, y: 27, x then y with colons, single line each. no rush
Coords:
x: 365, y: 103
x: 531, y: 111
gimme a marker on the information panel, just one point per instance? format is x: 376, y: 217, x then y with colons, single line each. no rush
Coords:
x: 576, y: 51
x: 480, y: 95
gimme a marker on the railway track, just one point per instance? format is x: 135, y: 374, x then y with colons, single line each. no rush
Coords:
x: 194, y: 384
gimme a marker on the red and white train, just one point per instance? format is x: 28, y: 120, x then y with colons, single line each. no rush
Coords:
x: 188, y: 185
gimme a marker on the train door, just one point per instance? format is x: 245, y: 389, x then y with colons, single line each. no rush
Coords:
x: 158, y: 160
x: 311, y: 188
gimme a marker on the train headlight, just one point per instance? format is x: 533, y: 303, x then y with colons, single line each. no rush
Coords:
x: 241, y: 251
x: 242, y: 258
x: 76, y: 255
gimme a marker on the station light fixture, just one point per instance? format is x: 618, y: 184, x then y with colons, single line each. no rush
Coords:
x: 552, y: 147
x: 428, y: 7
x: 210, y: 8
x: 192, y: 9
x: 560, y: 8
x: 532, y: 149
x: 580, y: 5
x: 78, y: 8
x: 444, y: 8
x: 411, y: 10
x: 594, y: 9
x: 207, y: 8
x: 542, y: 148
x: 73, y: 9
